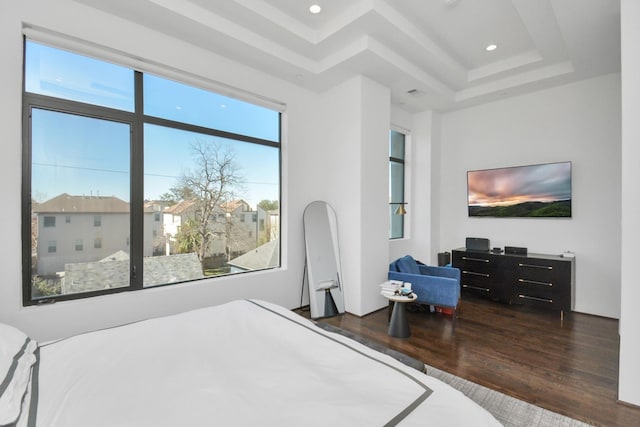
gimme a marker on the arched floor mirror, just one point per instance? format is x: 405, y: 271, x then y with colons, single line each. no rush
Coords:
x: 323, y: 260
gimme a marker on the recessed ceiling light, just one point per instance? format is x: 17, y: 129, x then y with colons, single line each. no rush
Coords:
x: 315, y: 9
x: 491, y: 47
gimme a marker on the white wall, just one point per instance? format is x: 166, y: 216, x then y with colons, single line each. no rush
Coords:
x: 353, y: 158
x: 579, y: 122
x: 629, y: 373
x: 282, y: 286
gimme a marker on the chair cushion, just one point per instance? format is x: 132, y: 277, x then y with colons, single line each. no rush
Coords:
x: 407, y: 264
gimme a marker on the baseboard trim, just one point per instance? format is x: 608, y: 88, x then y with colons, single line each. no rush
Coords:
x: 627, y: 404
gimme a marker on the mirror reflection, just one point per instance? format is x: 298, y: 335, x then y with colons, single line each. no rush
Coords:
x: 323, y: 260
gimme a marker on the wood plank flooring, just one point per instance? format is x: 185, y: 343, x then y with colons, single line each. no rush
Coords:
x: 568, y: 366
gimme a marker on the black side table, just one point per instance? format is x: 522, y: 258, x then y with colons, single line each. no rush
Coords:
x: 399, y: 325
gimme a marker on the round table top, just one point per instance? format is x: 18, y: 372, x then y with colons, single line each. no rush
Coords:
x: 401, y: 298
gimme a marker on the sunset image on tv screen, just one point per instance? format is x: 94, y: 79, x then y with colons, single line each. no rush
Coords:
x: 523, y: 191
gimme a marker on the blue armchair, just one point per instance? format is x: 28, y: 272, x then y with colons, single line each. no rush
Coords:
x: 432, y: 285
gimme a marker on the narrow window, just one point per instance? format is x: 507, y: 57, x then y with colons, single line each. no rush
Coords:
x: 396, y: 184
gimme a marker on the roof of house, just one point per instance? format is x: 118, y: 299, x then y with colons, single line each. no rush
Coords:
x: 264, y: 256
x: 181, y: 207
x: 156, y: 205
x: 113, y: 271
x: 233, y: 205
x: 82, y: 204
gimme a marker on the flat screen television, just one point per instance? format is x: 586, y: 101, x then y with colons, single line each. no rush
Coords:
x: 542, y: 190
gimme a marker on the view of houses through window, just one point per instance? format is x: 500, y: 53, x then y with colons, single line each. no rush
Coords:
x: 133, y: 180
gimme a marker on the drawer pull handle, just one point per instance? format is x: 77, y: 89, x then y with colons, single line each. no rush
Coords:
x: 473, y: 273
x: 533, y: 282
x: 466, y: 258
x: 544, y: 267
x: 550, y: 301
x: 476, y: 288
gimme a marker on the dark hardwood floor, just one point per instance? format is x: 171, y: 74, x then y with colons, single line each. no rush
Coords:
x: 567, y: 366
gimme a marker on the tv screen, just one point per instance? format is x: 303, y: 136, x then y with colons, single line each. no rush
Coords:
x: 521, y: 191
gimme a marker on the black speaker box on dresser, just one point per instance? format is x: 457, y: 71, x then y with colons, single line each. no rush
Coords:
x: 477, y: 244
x: 515, y: 250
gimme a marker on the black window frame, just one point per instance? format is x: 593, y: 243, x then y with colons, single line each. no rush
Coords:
x: 136, y: 121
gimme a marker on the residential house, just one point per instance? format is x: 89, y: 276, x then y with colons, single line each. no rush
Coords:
x: 235, y: 227
x: 155, y: 226
x: 173, y: 217
x: 244, y: 229
x: 75, y: 229
x: 78, y: 229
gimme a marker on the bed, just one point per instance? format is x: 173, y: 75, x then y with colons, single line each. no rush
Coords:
x: 247, y: 362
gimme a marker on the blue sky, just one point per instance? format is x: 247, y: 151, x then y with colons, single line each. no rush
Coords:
x: 91, y: 156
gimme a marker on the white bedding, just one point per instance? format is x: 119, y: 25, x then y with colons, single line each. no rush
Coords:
x: 242, y: 363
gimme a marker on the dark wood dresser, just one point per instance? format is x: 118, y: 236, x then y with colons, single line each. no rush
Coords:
x: 534, y: 279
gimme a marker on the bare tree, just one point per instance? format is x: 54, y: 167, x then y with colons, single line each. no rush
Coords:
x: 212, y: 183
x: 268, y: 205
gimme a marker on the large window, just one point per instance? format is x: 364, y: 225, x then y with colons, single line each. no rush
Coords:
x: 396, y: 184
x: 158, y: 174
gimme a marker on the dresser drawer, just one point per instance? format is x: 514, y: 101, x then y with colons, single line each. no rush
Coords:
x: 541, y: 282
x: 476, y: 281
x: 536, y: 270
x: 479, y: 272
x: 481, y: 264
x: 537, y: 289
x: 535, y: 300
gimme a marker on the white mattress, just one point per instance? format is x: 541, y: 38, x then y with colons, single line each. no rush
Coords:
x: 242, y: 363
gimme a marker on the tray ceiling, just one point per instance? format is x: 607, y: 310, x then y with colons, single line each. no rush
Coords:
x: 431, y: 53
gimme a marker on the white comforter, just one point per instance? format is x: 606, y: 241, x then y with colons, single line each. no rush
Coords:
x: 245, y: 363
